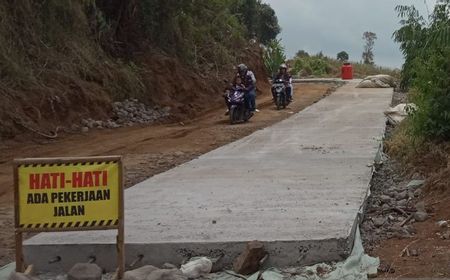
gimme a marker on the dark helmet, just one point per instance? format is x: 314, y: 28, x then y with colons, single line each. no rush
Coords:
x: 242, y: 68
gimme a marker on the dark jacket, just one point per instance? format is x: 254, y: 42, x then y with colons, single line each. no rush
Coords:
x: 248, y: 80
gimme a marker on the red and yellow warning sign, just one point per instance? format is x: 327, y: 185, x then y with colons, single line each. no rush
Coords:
x: 68, y: 195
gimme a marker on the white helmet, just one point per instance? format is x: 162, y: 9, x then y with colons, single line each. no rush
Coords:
x: 283, y: 66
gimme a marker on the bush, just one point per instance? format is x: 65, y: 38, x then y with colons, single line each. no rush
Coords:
x: 426, y: 46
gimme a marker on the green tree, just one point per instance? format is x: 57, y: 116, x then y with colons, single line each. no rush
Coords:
x: 342, y: 56
x: 259, y: 19
x: 302, y: 53
x: 369, y: 39
x: 267, y: 25
x: 274, y: 56
x: 426, y: 71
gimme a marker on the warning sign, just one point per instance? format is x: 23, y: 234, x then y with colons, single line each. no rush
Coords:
x: 61, y: 195
x: 69, y: 194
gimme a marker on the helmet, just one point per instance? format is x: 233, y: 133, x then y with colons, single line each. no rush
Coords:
x: 283, y: 66
x: 242, y: 67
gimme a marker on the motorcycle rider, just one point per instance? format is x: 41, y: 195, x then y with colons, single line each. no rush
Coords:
x: 249, y: 81
x: 236, y: 86
x: 284, y: 75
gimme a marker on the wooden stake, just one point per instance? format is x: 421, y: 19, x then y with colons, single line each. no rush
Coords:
x: 121, y: 229
x: 19, y: 252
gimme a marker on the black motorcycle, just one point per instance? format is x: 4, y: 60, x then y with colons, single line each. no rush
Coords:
x: 239, y: 111
x: 280, y: 97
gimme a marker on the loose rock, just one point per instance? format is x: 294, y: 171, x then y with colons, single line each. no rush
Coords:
x: 414, y: 252
x: 442, y: 224
x: 85, y: 271
x: 420, y: 206
x: 249, y: 260
x: 415, y: 184
x: 420, y: 216
x: 378, y: 222
x: 402, y: 195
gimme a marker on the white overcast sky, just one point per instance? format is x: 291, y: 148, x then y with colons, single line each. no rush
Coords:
x: 335, y: 25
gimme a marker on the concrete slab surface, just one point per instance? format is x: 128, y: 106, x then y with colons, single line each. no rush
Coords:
x: 297, y: 186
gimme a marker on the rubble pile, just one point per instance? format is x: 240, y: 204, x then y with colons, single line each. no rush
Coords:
x: 128, y: 113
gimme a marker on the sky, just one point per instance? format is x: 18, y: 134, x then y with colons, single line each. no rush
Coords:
x: 332, y: 26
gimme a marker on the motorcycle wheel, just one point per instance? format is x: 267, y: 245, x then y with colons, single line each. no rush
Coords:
x: 279, y: 100
x: 233, y: 114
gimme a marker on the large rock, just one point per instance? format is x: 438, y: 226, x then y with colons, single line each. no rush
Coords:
x: 420, y: 216
x: 166, y: 274
x: 415, y: 184
x: 85, y: 271
x: 248, y: 261
x: 140, y: 273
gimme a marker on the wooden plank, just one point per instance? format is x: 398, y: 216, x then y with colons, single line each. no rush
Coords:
x: 17, y: 234
x: 121, y: 230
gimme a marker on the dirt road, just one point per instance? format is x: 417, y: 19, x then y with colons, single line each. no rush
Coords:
x: 147, y: 150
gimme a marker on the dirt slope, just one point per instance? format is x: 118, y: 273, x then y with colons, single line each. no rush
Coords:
x: 55, y: 69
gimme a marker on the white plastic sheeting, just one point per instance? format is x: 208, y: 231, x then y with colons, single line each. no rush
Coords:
x: 377, y: 81
x: 398, y: 113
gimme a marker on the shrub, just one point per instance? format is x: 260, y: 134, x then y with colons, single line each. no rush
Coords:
x: 426, y: 46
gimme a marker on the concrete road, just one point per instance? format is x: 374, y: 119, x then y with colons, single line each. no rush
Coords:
x: 298, y: 186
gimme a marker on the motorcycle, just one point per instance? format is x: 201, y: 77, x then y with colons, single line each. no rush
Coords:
x: 281, y: 98
x: 239, y: 111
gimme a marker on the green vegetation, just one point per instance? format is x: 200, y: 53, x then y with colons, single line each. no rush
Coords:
x: 426, y: 72
x: 274, y: 56
x: 322, y: 66
x: 96, y: 40
x: 205, y: 31
x: 342, y: 56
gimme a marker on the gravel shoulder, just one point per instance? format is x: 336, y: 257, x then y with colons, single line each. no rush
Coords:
x: 404, y: 224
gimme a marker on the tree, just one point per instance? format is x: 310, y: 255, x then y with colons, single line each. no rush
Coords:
x: 426, y: 72
x: 342, y: 56
x: 302, y: 53
x: 369, y: 38
x: 259, y: 18
x: 274, y: 56
x: 267, y: 27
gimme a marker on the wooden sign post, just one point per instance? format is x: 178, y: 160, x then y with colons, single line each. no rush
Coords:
x: 69, y: 194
